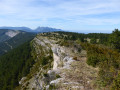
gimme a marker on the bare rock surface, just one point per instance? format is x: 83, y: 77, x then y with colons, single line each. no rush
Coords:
x: 12, y: 33
x: 66, y: 73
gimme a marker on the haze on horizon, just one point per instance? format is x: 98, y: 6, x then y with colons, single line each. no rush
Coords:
x: 72, y: 15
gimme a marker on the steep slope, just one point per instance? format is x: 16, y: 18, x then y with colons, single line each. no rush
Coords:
x: 14, y: 65
x: 7, y: 34
x: 66, y: 69
x: 11, y: 39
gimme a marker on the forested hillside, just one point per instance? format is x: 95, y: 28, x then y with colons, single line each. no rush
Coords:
x: 14, y: 65
x: 12, y: 42
x: 4, y: 34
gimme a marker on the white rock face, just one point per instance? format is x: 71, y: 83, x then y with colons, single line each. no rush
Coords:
x: 22, y: 80
x: 56, y: 81
x: 56, y: 61
x: 67, y: 61
x: 61, y: 61
x: 11, y: 33
x: 40, y: 42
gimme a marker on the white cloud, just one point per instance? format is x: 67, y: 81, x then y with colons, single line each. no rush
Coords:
x: 67, y: 10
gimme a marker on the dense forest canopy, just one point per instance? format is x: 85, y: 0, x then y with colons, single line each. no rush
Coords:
x: 115, y: 39
x: 14, y: 65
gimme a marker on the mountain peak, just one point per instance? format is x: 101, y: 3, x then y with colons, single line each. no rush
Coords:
x: 46, y: 29
x: 27, y: 29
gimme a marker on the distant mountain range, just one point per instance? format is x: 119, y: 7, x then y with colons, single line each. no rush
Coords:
x: 46, y: 29
x: 18, y: 28
x: 37, y: 30
x: 12, y: 37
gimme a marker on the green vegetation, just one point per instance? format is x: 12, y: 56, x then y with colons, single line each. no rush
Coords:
x: 52, y: 87
x: 107, y: 59
x: 3, y: 37
x: 115, y: 39
x: 116, y: 83
x: 93, y: 41
x: 14, y: 65
x: 16, y: 41
x: 43, y: 62
x: 103, y: 51
x: 57, y: 76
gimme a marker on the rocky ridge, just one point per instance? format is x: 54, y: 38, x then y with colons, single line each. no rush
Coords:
x: 67, y: 70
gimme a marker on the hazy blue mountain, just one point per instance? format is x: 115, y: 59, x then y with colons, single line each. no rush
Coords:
x: 10, y: 39
x: 46, y: 29
x: 18, y: 28
x: 37, y: 30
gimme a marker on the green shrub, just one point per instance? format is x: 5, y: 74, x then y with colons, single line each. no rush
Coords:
x: 45, y: 75
x: 57, y: 76
x: 52, y: 87
x: 116, y: 83
x: 44, y: 61
x: 92, y: 60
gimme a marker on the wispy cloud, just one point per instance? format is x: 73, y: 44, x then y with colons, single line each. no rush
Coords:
x: 59, y: 12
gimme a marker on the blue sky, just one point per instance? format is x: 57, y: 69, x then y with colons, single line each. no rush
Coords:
x: 72, y: 15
